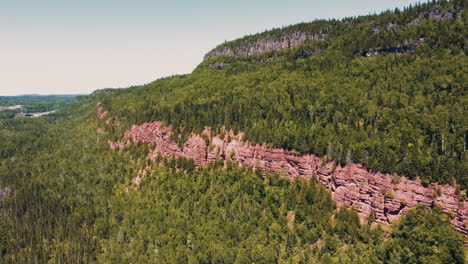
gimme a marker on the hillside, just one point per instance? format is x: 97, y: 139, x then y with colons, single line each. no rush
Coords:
x: 389, y: 32
x: 403, y: 113
x: 337, y: 141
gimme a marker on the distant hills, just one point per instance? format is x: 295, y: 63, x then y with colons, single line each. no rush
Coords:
x: 45, y: 95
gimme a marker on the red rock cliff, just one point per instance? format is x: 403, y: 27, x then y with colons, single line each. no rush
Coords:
x: 386, y: 196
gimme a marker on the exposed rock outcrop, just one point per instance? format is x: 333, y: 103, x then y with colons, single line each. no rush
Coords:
x: 437, y: 13
x: 100, y: 111
x: 384, y: 196
x: 142, y: 173
x: 266, y: 44
x: 4, y: 192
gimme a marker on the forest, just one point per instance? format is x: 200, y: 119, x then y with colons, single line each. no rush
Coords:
x: 32, y: 104
x: 73, y: 204
x: 70, y: 199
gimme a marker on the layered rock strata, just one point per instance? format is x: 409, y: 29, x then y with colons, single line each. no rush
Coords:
x: 383, y: 196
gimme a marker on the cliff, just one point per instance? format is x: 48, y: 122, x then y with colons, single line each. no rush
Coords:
x: 382, y: 196
x: 370, y: 27
x: 266, y: 44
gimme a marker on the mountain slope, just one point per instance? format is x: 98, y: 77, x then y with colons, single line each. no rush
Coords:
x: 400, y: 113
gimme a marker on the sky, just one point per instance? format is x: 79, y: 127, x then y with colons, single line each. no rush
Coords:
x: 76, y: 47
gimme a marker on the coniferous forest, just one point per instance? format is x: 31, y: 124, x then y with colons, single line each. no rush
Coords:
x: 386, y: 90
x: 15, y: 106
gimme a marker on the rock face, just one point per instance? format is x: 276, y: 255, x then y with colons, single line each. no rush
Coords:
x: 266, y: 44
x: 100, y: 111
x: 384, y: 196
x: 437, y: 13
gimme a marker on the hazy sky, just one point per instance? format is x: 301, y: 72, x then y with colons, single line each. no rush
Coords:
x: 64, y: 46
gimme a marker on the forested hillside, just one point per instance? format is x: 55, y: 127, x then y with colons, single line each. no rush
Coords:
x: 386, y: 90
x: 72, y: 200
x: 402, y: 113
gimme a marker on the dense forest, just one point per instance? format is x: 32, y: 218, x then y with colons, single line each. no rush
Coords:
x: 403, y: 110
x: 73, y: 201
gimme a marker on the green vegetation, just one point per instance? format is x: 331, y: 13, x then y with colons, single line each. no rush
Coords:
x: 83, y: 208
x: 403, y: 114
x: 73, y: 200
x: 427, y: 25
x: 423, y: 236
x: 399, y: 113
x: 33, y: 104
